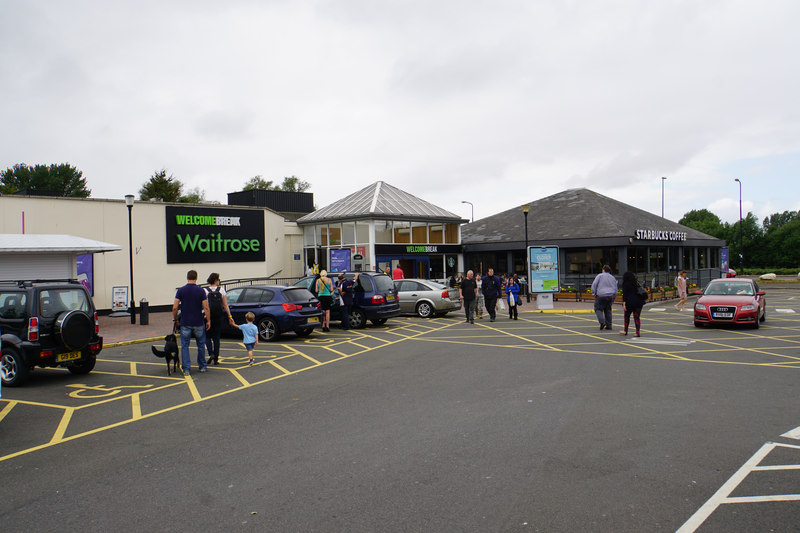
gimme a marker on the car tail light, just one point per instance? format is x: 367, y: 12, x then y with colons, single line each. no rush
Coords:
x: 378, y: 299
x: 33, y: 329
x: 445, y: 295
x: 292, y: 307
x: 46, y: 353
x: 96, y: 325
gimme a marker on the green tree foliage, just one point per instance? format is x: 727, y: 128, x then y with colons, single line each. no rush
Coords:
x: 193, y: 196
x: 705, y: 221
x: 257, y: 182
x: 775, y: 243
x: 61, y: 180
x: 294, y: 184
x: 162, y: 187
x: 290, y: 184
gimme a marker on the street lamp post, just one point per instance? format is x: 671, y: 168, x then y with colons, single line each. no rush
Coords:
x: 129, y: 203
x: 472, y: 208
x: 663, y: 179
x: 741, y: 233
x: 525, y: 209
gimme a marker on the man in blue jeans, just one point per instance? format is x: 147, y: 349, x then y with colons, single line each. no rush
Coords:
x: 193, y: 303
x: 604, y: 288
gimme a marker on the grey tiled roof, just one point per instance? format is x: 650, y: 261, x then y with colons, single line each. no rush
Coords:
x: 380, y: 200
x: 572, y: 214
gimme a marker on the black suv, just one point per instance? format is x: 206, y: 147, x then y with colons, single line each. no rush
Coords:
x: 374, y: 297
x: 47, y: 323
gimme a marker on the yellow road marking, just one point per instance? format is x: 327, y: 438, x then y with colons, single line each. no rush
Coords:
x: 7, y: 409
x: 192, y: 388
x: 58, y: 436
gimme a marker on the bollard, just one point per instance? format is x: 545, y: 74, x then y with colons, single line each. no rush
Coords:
x: 144, y: 312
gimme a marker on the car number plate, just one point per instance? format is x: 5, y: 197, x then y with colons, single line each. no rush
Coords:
x: 68, y: 356
x: 389, y: 297
x: 313, y: 320
x: 722, y: 315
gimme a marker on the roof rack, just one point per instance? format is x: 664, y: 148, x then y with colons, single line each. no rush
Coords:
x: 32, y: 282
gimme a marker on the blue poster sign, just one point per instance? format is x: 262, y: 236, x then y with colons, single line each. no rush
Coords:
x: 340, y: 260
x: 724, y: 256
x: 543, y: 269
x: 85, y: 271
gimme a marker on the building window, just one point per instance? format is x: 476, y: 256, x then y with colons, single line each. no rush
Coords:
x: 402, y: 232
x: 419, y: 233
x: 383, y: 231
x: 451, y: 233
x: 437, y: 233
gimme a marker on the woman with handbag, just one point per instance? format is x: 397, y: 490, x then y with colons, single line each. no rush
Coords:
x: 512, y: 291
x: 632, y: 302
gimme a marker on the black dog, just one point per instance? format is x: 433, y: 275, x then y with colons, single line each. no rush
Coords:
x: 170, y: 353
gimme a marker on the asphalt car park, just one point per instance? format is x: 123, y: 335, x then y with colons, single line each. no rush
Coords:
x: 542, y: 423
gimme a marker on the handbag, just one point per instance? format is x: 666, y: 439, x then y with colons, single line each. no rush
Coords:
x: 642, y: 292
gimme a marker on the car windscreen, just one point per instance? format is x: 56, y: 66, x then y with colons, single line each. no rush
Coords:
x: 383, y: 283
x: 297, y: 295
x: 55, y: 301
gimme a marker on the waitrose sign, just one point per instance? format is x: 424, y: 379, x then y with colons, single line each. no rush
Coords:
x: 205, y: 235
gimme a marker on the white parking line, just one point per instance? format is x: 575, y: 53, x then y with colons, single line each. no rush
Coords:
x: 793, y: 434
x: 722, y: 496
x: 667, y: 342
x: 784, y: 311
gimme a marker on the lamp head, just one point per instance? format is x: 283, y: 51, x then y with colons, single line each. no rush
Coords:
x: 129, y: 200
x: 526, y: 208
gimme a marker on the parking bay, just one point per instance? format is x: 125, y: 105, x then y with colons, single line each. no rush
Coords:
x: 566, y: 356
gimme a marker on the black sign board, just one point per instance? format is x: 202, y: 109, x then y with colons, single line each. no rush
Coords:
x: 208, y: 235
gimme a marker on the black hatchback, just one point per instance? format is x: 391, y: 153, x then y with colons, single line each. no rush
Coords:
x: 374, y: 297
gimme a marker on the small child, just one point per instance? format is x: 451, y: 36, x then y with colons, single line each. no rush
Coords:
x: 250, y: 334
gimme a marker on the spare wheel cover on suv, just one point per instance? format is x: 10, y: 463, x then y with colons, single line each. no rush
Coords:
x: 74, y: 329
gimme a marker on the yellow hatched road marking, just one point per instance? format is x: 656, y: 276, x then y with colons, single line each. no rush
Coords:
x: 7, y: 409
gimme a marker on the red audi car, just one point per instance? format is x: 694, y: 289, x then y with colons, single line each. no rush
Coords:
x: 731, y: 301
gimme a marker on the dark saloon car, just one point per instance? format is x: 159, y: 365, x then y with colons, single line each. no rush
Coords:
x: 277, y: 310
x: 374, y: 297
x: 731, y: 301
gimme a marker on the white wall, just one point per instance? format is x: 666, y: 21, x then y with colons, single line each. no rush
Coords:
x: 154, y: 279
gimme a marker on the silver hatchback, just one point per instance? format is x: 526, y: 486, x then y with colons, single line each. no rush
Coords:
x: 426, y: 298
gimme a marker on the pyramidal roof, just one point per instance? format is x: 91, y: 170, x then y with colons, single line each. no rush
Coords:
x: 571, y: 214
x: 380, y: 200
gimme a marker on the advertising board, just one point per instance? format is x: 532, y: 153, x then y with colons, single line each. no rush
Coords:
x: 209, y: 235
x: 543, y: 275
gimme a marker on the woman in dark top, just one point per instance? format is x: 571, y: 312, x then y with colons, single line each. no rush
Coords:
x: 632, y: 303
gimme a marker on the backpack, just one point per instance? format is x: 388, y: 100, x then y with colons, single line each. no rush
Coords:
x: 215, y: 303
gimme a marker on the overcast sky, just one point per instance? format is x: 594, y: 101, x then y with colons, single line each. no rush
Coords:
x: 495, y: 102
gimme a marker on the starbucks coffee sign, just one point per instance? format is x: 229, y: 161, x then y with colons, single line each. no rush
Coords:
x: 207, y: 235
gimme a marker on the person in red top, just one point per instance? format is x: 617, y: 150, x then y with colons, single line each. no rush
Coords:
x: 397, y: 273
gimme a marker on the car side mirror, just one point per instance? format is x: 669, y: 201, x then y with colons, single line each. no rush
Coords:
x: 698, y: 293
x: 761, y: 293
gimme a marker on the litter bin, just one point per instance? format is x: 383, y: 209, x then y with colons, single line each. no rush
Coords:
x: 144, y: 312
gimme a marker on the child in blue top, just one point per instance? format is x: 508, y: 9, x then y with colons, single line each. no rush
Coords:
x: 250, y: 334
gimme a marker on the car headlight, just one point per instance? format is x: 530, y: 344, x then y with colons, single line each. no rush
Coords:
x: 700, y: 307
x: 750, y: 307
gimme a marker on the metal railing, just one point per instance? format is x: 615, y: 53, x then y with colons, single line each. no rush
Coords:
x: 660, y: 284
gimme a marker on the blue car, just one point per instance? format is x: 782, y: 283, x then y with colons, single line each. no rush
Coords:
x: 277, y: 309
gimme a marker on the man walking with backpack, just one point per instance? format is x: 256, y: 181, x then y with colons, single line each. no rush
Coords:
x: 218, y: 309
x: 193, y: 303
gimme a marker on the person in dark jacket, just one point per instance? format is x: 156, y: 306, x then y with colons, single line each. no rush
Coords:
x: 632, y: 303
x: 491, y: 288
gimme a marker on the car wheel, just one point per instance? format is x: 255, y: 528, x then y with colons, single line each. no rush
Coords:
x: 304, y: 332
x: 83, y: 367
x: 13, y: 369
x: 74, y: 329
x: 268, y: 329
x: 379, y: 321
x: 756, y: 323
x: 424, y: 310
x: 357, y: 319
x: 764, y: 316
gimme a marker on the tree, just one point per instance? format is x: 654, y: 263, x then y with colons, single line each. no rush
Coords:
x: 703, y: 220
x: 59, y: 180
x: 294, y: 184
x: 194, y: 196
x: 162, y: 188
x: 257, y: 182
x: 290, y: 184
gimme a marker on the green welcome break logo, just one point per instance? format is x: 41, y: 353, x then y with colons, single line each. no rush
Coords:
x: 421, y: 249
